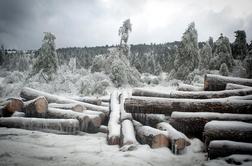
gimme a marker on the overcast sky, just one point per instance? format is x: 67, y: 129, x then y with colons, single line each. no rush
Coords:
x: 96, y: 22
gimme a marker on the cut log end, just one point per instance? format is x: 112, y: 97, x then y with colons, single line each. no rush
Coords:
x: 159, y: 141
x: 11, y: 106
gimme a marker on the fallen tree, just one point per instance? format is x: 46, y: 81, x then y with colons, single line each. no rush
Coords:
x: 223, y: 148
x: 71, y: 106
x: 178, y: 140
x: 187, y: 87
x: 228, y: 130
x: 91, y: 100
x: 151, y: 136
x: 9, y: 106
x: 100, y: 114
x: 69, y: 126
x: 217, y: 82
x: 29, y: 94
x: 192, y: 123
x: 149, y: 119
x: 167, y: 106
x: 231, y: 86
x: 36, y: 107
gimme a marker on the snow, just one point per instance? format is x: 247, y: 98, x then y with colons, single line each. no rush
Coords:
x: 242, y: 160
x: 128, y: 132
x: 228, y: 125
x: 22, y: 147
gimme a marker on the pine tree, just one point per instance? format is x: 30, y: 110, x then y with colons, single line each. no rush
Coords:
x: 205, y: 56
x: 224, y: 69
x: 239, y: 47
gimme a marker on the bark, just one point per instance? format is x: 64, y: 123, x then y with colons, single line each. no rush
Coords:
x: 192, y: 123
x: 8, y: 107
x: 187, y: 87
x: 36, y: 108
x: 88, y: 123
x: 231, y: 86
x: 217, y: 82
x: 225, y: 148
x: 193, y: 95
x: 91, y: 100
x: 167, y: 106
x: 29, y: 94
x: 228, y: 130
x: 178, y: 140
x: 70, y: 126
x: 71, y: 106
x: 149, y: 119
x: 151, y: 136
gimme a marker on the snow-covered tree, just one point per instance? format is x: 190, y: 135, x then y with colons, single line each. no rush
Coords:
x: 47, y: 59
x: 204, y: 56
x: 2, y: 52
x: 187, y: 58
x: 239, y: 47
x: 124, y: 34
x: 224, y: 69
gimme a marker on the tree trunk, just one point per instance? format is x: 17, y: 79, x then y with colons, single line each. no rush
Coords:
x: 192, y: 123
x: 91, y: 100
x: 167, y: 106
x: 217, y: 82
x: 231, y: 86
x: 149, y: 119
x: 71, y: 106
x: 70, y: 126
x: 127, y: 133
x: 105, y: 104
x: 114, y: 127
x: 178, y: 140
x: 225, y: 148
x: 187, y: 87
x: 194, y: 94
x: 97, y: 113
x: 123, y: 114
x: 151, y: 136
x: 228, y: 130
x: 36, y: 108
x: 29, y: 94
x: 88, y: 123
x: 8, y: 107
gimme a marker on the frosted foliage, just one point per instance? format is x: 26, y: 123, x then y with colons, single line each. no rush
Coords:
x: 124, y: 32
x: 98, y: 63
x: 118, y: 75
x: 187, y: 57
x: 224, y: 69
x: 72, y: 64
x: 205, y: 56
x: 248, y: 65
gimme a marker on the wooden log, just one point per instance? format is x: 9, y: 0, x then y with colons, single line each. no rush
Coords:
x: 114, y: 127
x: 217, y: 82
x: 178, y: 140
x: 123, y: 114
x: 103, y: 129
x: 149, y: 119
x: 9, y: 106
x: 187, y: 87
x: 97, y: 113
x: 29, y: 93
x: 192, y: 123
x: 231, y: 86
x: 223, y: 148
x: 167, y: 106
x: 36, y: 108
x: 105, y: 104
x: 228, y: 130
x: 127, y: 133
x: 18, y: 114
x: 88, y: 99
x: 105, y: 98
x: 151, y: 136
x: 66, y: 126
x: 88, y: 123
x: 71, y: 106
x: 248, y: 97
x: 193, y: 95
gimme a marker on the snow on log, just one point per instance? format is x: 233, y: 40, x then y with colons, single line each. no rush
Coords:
x: 192, y: 123
x: 217, y: 82
x: 100, y: 114
x: 228, y: 130
x: 178, y: 140
x: 114, y: 127
x: 248, y: 97
x: 88, y: 123
x: 149, y: 119
x: 151, y: 136
x: 187, y: 87
x: 18, y: 114
x: 29, y: 94
x: 123, y: 114
x: 105, y: 98
x: 103, y: 129
x: 231, y: 86
x: 8, y: 107
x: 69, y: 126
x: 127, y: 133
x: 71, y: 106
x: 167, y: 106
x: 91, y: 100
x: 105, y: 104
x: 193, y: 95
x: 223, y: 148
x: 36, y: 108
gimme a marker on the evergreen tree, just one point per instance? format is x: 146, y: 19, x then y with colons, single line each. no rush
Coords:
x: 2, y: 52
x: 205, y: 56
x: 224, y: 69
x: 239, y: 47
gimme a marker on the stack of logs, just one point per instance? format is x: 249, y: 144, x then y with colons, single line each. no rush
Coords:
x: 220, y: 115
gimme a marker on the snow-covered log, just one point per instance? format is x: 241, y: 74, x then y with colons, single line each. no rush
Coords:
x: 71, y: 106
x: 123, y: 114
x: 231, y: 86
x: 105, y: 98
x: 103, y: 129
x: 193, y: 94
x: 91, y: 100
x: 228, y: 130
x: 151, y: 136
x: 8, y: 107
x: 187, y: 87
x: 178, y: 140
x: 29, y: 94
x: 36, y: 108
x: 217, y: 82
x: 223, y: 148
x: 114, y: 127
x: 105, y: 104
x: 167, y: 106
x: 69, y: 126
x: 127, y: 133
x: 18, y: 114
x: 149, y: 119
x: 248, y: 97
x: 88, y: 123
x: 100, y: 114
x: 192, y: 123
